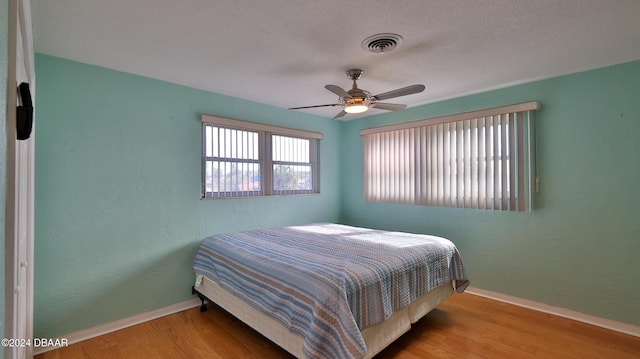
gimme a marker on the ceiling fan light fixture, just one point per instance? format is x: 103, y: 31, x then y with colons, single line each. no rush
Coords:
x: 356, y: 105
x: 355, y: 109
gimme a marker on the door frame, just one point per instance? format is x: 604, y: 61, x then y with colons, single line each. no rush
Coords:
x: 19, y: 206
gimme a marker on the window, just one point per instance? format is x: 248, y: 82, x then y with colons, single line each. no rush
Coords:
x: 482, y: 159
x: 243, y: 159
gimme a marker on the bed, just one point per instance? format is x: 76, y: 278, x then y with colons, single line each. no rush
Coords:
x: 327, y: 290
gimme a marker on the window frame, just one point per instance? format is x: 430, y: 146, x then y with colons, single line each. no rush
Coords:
x: 265, y: 157
x: 313, y: 164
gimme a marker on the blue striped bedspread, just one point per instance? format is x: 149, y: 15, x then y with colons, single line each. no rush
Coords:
x: 326, y: 282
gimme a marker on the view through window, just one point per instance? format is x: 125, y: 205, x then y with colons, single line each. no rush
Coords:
x: 242, y: 161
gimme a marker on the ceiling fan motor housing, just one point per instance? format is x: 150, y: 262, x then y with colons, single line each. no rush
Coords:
x: 357, y: 102
x: 358, y: 93
x: 357, y: 96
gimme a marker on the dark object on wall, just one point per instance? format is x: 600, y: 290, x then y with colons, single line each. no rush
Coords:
x: 24, y: 113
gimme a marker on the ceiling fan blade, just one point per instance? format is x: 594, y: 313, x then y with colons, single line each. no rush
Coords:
x: 338, y: 91
x: 300, y: 108
x: 388, y: 106
x: 342, y: 113
x: 400, y: 92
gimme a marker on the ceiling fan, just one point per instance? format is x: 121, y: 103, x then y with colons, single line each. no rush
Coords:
x: 357, y: 100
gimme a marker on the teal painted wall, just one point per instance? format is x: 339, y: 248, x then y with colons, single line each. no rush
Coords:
x: 118, y: 214
x: 4, y: 67
x: 118, y: 211
x: 579, y: 248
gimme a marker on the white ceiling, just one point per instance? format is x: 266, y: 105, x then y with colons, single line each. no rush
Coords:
x: 283, y: 52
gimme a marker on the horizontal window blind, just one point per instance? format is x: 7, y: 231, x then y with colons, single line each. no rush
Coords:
x: 480, y: 159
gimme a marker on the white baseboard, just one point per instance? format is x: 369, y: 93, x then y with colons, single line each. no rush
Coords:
x: 558, y: 311
x: 188, y: 304
x: 123, y: 323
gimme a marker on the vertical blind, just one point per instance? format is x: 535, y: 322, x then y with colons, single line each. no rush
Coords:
x: 482, y: 159
x: 232, y: 162
x: 243, y: 158
x: 293, y: 168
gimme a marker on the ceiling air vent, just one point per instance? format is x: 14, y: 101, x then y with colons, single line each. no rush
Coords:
x: 382, y: 42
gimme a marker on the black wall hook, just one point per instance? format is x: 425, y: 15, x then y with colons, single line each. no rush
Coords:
x: 24, y: 113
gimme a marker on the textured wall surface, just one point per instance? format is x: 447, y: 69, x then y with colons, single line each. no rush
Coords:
x: 118, y: 208
x: 580, y: 246
x: 118, y: 213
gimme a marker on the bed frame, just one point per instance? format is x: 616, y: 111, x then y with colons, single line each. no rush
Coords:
x: 377, y: 337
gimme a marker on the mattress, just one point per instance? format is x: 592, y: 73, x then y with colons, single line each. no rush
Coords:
x: 329, y: 283
x: 376, y: 337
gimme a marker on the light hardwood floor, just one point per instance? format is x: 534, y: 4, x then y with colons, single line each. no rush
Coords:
x: 464, y: 326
